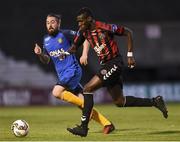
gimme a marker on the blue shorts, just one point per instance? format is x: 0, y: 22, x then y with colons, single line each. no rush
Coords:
x: 70, y: 79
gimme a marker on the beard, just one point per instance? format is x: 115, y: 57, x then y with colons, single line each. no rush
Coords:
x: 52, y: 32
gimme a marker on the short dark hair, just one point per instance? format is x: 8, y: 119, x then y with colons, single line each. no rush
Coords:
x: 86, y: 11
x: 57, y: 16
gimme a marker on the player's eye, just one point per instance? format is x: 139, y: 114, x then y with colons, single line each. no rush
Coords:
x: 79, y: 20
x: 53, y: 21
x: 47, y: 22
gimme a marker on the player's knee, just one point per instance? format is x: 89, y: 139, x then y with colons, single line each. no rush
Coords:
x: 56, y: 94
x: 88, y: 89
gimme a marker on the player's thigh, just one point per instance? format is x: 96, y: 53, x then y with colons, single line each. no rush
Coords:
x: 78, y: 90
x: 70, y: 78
x: 94, y: 84
x: 57, y: 90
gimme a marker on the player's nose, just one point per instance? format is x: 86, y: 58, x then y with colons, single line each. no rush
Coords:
x: 79, y: 24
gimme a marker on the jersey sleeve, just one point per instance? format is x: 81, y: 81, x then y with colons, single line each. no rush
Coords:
x: 44, y: 51
x: 78, y: 41
x: 113, y: 28
x: 69, y: 34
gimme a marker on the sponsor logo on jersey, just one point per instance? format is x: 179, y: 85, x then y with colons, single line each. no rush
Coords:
x: 60, y: 40
x: 56, y: 53
x: 98, y: 48
x: 110, y: 72
x: 93, y: 33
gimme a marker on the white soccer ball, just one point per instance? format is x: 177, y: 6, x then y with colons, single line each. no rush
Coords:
x: 20, y: 128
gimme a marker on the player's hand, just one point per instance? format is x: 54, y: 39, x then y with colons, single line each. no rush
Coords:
x: 84, y: 60
x: 37, y: 49
x: 131, y: 62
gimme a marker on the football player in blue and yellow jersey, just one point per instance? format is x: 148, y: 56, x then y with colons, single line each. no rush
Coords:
x: 68, y: 70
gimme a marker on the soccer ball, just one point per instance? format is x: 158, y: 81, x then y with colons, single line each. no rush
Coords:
x: 20, y: 128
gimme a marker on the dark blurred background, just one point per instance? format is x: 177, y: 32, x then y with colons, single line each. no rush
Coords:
x: 155, y: 23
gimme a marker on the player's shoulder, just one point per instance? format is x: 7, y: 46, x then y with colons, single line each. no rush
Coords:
x: 68, y: 32
x: 46, y: 38
x: 105, y: 26
x: 100, y: 24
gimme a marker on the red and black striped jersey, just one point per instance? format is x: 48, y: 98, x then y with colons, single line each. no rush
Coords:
x: 101, y: 40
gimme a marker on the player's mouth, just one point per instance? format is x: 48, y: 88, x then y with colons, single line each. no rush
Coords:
x: 51, y: 29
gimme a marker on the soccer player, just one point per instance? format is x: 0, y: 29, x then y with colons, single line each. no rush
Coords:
x: 68, y: 69
x: 101, y: 38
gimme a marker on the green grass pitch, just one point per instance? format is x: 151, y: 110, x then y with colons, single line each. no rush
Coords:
x: 49, y: 123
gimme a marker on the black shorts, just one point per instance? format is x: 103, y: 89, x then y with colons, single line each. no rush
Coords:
x: 111, y: 72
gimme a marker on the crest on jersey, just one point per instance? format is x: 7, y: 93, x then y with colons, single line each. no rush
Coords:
x: 60, y: 40
x: 103, y: 71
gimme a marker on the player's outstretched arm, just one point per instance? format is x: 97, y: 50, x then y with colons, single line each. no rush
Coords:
x: 130, y: 56
x: 78, y: 41
x: 84, y: 56
x: 43, y: 58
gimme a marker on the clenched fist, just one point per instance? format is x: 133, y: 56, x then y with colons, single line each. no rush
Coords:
x: 37, y: 49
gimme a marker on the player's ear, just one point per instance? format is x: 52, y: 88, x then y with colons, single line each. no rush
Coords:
x: 59, y: 24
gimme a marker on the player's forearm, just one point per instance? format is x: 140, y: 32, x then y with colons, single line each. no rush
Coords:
x: 72, y: 49
x: 44, y: 58
x: 129, y: 35
x: 86, y: 46
x: 130, y: 43
x: 78, y: 41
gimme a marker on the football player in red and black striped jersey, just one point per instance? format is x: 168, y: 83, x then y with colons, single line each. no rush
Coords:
x: 101, y: 38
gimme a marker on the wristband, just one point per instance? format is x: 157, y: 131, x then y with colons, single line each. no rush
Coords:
x: 129, y: 54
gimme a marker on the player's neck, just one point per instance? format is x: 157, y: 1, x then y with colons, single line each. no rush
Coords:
x: 54, y: 34
x: 93, y: 26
